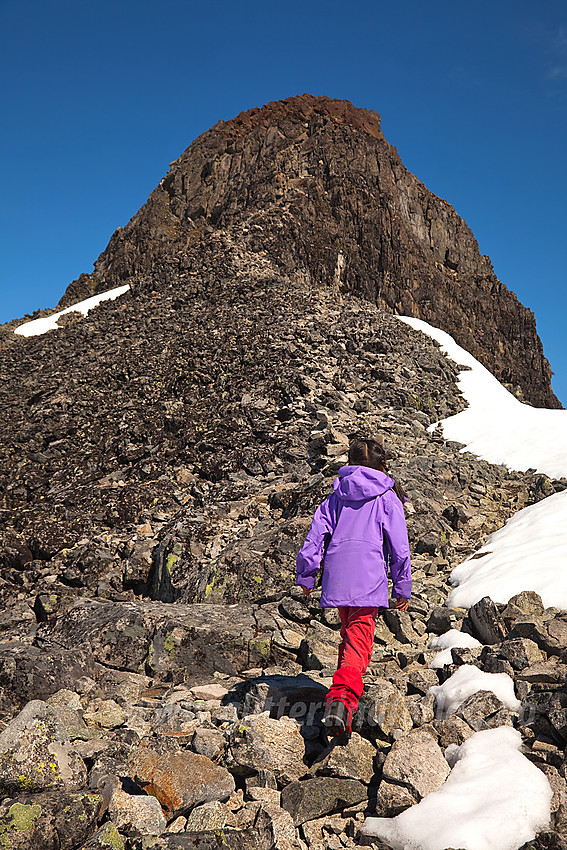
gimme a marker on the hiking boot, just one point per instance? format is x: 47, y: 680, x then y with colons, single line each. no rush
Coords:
x: 337, y: 718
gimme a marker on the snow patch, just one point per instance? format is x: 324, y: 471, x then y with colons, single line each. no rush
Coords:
x: 527, y: 553
x: 445, y: 642
x: 467, y: 680
x: 493, y: 797
x: 496, y: 426
x: 49, y: 323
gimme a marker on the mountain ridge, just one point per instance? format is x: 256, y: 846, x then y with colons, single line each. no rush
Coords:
x: 313, y: 183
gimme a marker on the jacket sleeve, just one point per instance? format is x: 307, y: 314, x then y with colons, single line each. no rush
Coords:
x: 396, y: 545
x: 313, y: 550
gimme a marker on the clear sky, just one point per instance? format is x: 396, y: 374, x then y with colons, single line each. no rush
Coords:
x: 98, y: 97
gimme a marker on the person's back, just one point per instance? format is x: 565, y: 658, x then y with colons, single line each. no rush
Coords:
x: 355, y: 570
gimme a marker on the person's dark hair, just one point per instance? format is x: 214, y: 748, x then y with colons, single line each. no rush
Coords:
x: 363, y: 451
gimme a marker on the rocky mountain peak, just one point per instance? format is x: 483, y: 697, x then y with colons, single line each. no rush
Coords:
x: 311, y: 184
x: 303, y: 109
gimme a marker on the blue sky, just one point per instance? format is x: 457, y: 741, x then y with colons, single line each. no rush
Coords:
x: 98, y: 97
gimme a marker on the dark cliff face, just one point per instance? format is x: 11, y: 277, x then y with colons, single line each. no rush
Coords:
x: 313, y: 184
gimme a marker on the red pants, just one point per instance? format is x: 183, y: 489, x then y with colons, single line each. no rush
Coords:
x: 355, y: 652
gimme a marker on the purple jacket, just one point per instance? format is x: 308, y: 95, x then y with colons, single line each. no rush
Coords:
x: 362, y: 523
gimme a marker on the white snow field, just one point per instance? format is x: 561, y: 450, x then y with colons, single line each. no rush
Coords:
x: 496, y: 426
x: 49, y: 323
x: 466, y: 680
x: 445, y: 642
x: 493, y: 799
x: 528, y: 552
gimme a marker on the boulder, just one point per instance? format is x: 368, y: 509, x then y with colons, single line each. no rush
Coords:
x: 557, y: 717
x: 557, y: 634
x: 452, y: 730
x: 208, y: 817
x: 29, y: 672
x: 49, y: 820
x: 36, y: 755
x: 491, y: 662
x: 257, y: 836
x: 111, y: 761
x: 521, y: 652
x: 381, y: 711
x: 314, y: 798
x: 486, y: 620
x: 172, y: 642
x: 137, y: 813
x: 277, y: 826
x: 295, y: 609
x: 171, y: 721
x: 417, y: 763
x: 211, y: 691
x: 179, y: 780
x: 420, y: 680
x: 391, y: 799
x: 548, y: 672
x: 421, y: 708
x: 400, y: 624
x: 319, y: 648
x: 259, y: 742
x: 550, y: 635
x: 75, y: 726
x: 443, y: 619
x: 262, y: 779
x: 208, y: 742
x: 528, y: 601
x: 105, y: 838
x: 105, y: 714
x: 558, y: 786
x: 465, y: 654
x: 301, y: 697
x: 264, y: 795
x: 483, y: 710
x: 351, y: 759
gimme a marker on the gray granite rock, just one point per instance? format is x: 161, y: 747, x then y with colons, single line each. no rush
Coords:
x: 106, y: 837
x: 521, y: 652
x: 452, y: 730
x: 441, y: 619
x: 50, y: 820
x: 488, y: 625
x: 400, y: 624
x: 391, y: 799
x: 36, y: 755
x: 313, y: 798
x: 137, y: 813
x: 528, y: 601
x: 351, y: 759
x: 478, y: 711
x: 259, y: 742
x: 417, y: 763
x: 208, y: 742
x: 381, y: 711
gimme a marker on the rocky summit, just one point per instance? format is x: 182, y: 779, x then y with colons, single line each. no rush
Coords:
x: 312, y: 183
x: 161, y: 678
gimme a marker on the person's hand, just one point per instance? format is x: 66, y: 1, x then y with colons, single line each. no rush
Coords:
x: 306, y: 590
x: 402, y: 603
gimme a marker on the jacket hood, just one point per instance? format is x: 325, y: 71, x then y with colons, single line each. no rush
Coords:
x: 358, y: 483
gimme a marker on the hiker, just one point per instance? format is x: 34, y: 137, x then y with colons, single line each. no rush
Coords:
x: 356, y: 531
